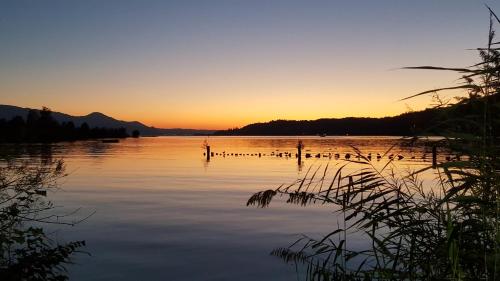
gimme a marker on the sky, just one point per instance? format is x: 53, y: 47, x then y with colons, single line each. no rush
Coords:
x: 224, y: 64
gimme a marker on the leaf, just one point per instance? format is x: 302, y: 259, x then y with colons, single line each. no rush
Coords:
x: 442, y: 89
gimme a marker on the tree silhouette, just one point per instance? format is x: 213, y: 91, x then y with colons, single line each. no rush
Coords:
x: 40, y: 126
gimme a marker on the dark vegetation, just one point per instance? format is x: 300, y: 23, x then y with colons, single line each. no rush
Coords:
x: 97, y: 119
x: 40, y: 126
x: 26, y: 251
x: 406, y: 124
x: 402, y: 125
x: 446, y: 229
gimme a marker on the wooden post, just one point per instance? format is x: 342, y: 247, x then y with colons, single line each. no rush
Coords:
x: 208, y: 152
x: 299, y: 153
x: 434, y: 157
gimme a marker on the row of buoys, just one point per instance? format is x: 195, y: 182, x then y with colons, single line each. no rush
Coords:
x: 212, y: 154
x: 346, y: 156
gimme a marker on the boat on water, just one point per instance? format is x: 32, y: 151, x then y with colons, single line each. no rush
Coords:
x: 110, y: 141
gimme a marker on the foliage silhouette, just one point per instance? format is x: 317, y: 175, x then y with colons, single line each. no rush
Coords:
x: 26, y: 252
x: 40, y: 126
x: 136, y: 133
x: 417, y: 231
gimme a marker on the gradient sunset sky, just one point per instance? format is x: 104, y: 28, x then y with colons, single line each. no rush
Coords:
x: 220, y: 64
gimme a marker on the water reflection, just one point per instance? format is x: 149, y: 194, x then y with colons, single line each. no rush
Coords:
x: 166, y: 211
x: 34, y: 153
x: 45, y: 151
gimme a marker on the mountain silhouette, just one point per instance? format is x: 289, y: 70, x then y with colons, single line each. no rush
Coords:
x: 97, y: 119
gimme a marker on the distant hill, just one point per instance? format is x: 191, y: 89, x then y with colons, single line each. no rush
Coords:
x: 429, y: 122
x: 97, y: 119
x: 404, y: 124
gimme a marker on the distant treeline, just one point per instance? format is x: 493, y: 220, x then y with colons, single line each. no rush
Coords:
x: 40, y: 126
x: 426, y: 122
x: 401, y: 125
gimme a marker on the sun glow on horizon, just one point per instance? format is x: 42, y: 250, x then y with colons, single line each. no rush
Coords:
x: 219, y: 116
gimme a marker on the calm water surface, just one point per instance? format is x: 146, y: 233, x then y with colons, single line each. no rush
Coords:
x: 162, y: 212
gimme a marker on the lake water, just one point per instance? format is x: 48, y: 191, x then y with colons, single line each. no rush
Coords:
x: 162, y: 212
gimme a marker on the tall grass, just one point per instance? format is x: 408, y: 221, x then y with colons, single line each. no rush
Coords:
x: 447, y: 231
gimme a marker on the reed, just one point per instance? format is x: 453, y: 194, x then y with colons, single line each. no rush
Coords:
x: 417, y: 231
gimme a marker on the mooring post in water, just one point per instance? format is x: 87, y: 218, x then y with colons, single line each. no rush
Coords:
x: 300, y: 145
x: 434, y: 157
x: 208, y: 152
